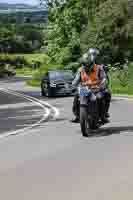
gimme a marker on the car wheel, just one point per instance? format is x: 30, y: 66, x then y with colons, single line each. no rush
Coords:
x: 47, y: 91
x: 43, y: 93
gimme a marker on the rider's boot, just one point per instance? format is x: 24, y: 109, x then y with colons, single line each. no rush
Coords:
x: 107, y: 115
x: 76, y: 120
x: 103, y: 114
x: 104, y: 120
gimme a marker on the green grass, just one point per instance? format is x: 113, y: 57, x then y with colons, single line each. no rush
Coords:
x: 29, y: 57
x: 117, y: 87
x: 130, y: 79
x: 33, y: 83
x: 24, y: 71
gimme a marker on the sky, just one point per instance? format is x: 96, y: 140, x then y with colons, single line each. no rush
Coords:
x: 33, y: 2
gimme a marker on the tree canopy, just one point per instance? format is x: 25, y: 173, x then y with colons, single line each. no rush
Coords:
x: 76, y: 25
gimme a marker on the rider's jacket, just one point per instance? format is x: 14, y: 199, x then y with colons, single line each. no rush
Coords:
x: 91, y: 76
x: 97, y: 73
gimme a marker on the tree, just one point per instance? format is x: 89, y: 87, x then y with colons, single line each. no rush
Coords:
x: 64, y: 28
x: 76, y: 25
x: 107, y: 29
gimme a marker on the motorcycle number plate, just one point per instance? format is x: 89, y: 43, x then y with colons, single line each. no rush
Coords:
x: 84, y: 92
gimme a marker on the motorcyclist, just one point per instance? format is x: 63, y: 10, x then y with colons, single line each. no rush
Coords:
x: 95, y: 79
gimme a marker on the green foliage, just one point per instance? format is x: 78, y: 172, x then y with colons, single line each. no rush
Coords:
x: 107, y: 30
x: 39, y: 73
x: 24, y: 71
x: 20, y: 38
x: 24, y: 60
x: 76, y: 25
x: 72, y: 66
x: 123, y: 77
x: 63, y: 33
x: 130, y: 79
x: 33, y: 83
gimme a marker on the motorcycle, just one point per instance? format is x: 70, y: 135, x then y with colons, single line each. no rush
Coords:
x: 90, y: 112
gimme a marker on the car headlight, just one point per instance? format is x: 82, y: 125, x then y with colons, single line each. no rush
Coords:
x: 52, y: 84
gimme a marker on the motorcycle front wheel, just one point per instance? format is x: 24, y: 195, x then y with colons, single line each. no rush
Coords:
x: 84, y: 122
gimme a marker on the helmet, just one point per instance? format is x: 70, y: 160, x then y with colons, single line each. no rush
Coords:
x: 90, y: 56
x: 93, y: 52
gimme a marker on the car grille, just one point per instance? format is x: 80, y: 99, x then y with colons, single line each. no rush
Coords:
x: 60, y: 85
x: 63, y: 85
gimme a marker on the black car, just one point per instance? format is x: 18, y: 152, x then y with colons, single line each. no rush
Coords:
x: 57, y: 82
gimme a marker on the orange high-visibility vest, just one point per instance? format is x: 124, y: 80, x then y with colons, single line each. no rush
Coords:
x: 92, y: 76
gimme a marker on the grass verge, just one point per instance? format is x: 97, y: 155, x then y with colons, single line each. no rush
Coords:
x: 117, y: 87
x: 25, y: 71
x: 33, y: 83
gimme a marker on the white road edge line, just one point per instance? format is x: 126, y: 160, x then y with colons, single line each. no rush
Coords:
x: 56, y: 111
x: 122, y: 98
x: 33, y: 100
x: 41, y: 104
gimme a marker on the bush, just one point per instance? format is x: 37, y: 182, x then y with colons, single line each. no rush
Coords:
x: 39, y: 73
x: 73, y: 66
x: 24, y: 60
x: 122, y: 82
x: 36, y: 75
x: 130, y: 78
x: 16, y: 61
x: 20, y: 62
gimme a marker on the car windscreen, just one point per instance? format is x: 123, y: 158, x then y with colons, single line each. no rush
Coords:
x: 68, y: 76
x: 60, y: 75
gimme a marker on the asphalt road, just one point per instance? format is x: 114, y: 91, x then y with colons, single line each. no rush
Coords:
x: 54, y: 161
x: 17, y: 112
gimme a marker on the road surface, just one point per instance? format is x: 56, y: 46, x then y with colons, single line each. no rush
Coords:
x: 17, y: 112
x: 53, y: 160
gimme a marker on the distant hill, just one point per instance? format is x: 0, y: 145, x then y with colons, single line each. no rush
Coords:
x: 6, y: 8
x: 20, y: 13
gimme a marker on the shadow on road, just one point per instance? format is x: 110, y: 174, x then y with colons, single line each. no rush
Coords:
x: 37, y: 94
x: 111, y: 130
